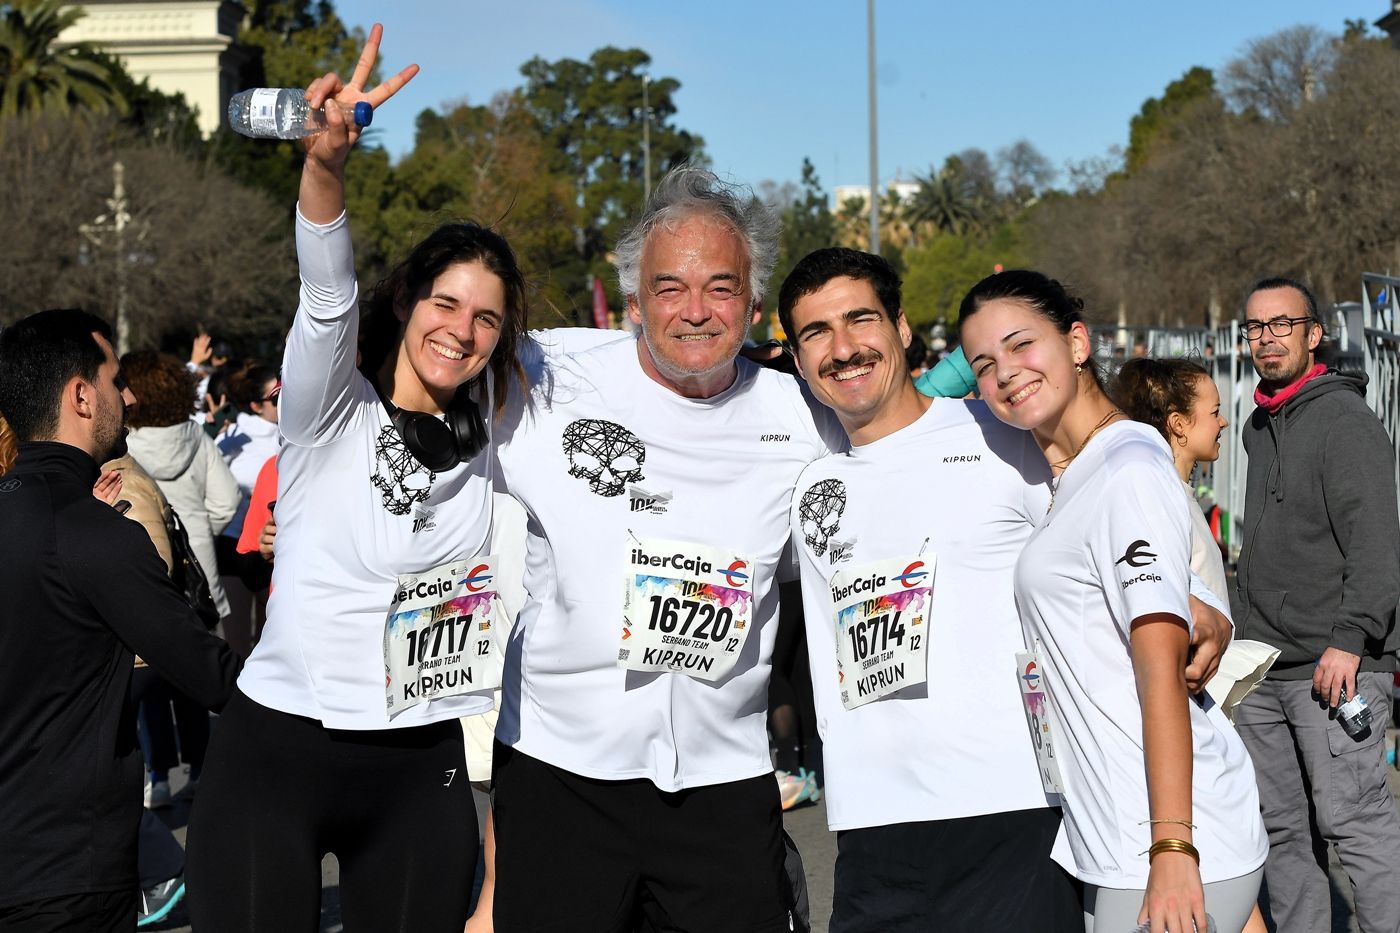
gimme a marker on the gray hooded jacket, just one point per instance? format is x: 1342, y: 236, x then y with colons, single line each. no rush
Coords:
x: 198, y: 484
x: 1321, y: 561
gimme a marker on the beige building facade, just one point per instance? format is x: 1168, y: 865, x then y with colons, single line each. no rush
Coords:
x: 182, y: 47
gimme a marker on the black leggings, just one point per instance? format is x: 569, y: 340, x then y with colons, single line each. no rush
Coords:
x: 280, y: 791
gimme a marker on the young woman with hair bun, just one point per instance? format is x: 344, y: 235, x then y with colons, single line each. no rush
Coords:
x: 1180, y: 400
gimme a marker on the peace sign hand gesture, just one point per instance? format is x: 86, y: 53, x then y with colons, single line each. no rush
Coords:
x: 321, y: 197
x: 332, y: 147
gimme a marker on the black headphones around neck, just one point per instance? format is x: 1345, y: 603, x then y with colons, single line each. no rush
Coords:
x: 436, y: 443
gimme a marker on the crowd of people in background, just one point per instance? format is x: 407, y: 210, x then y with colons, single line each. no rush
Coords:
x: 728, y: 589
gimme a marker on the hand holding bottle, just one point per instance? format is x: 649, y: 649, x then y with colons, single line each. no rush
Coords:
x: 283, y: 113
x: 322, y: 193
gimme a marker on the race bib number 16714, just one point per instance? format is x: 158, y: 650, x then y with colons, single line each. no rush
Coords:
x: 881, y: 617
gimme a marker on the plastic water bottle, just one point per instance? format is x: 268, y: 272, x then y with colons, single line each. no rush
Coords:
x: 1354, y: 714
x: 282, y: 113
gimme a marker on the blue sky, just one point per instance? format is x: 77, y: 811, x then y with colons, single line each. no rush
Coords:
x: 766, y: 82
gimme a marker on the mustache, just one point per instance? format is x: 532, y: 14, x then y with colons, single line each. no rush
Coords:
x: 863, y: 358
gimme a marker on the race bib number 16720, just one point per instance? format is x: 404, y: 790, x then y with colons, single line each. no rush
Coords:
x: 687, y: 608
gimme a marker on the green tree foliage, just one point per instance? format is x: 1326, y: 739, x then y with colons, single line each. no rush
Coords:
x: 153, y: 114
x: 1159, y: 113
x: 947, y: 201
x: 591, y: 116
x: 39, y: 77
x: 807, y: 226
x: 1298, y: 176
x: 293, y: 41
x: 940, y: 271
x: 1356, y: 29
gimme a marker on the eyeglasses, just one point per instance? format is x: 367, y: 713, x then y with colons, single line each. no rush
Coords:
x: 272, y: 395
x: 1279, y: 327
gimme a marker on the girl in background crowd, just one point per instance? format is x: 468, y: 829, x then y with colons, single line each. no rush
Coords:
x: 1179, y: 399
x: 183, y: 460
x: 1102, y: 588
x: 247, y: 443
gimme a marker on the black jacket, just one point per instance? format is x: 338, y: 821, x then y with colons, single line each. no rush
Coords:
x: 81, y: 589
x: 1321, y: 560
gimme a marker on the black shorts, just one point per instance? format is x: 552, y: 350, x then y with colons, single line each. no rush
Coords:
x: 979, y: 874
x: 106, y: 912
x: 574, y: 853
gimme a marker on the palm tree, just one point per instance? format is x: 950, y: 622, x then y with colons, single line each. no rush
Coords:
x: 36, y: 77
x: 946, y: 201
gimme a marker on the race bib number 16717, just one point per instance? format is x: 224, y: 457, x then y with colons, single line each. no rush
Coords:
x: 438, y: 639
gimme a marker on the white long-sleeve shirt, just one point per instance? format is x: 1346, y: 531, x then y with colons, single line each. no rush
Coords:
x: 354, y: 511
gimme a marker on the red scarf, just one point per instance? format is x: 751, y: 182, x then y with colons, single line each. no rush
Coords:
x: 1273, y: 403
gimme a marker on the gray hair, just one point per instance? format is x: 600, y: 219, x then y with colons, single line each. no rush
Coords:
x: 688, y: 190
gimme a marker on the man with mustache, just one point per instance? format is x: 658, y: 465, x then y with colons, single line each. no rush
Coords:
x: 1320, y: 577
x: 84, y: 588
x: 907, y: 544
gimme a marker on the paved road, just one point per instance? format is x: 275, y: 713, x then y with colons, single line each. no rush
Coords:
x: 807, y: 826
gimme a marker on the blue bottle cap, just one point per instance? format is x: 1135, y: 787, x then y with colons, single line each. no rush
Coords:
x: 364, y: 113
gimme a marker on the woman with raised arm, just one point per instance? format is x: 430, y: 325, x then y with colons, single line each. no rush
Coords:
x: 344, y: 734
x: 1161, y: 810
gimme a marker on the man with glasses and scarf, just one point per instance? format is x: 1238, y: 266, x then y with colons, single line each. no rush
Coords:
x: 1320, y: 578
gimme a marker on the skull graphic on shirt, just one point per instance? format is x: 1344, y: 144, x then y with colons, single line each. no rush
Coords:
x: 605, y: 454
x: 402, y: 481
x: 820, y: 510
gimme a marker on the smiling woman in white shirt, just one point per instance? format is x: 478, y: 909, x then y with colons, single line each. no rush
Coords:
x: 344, y: 734
x: 1161, y: 809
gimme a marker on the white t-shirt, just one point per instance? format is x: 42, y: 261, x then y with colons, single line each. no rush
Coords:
x: 1116, y: 547
x: 963, y: 490
x: 354, y: 512
x: 1206, y: 561
x: 606, y: 458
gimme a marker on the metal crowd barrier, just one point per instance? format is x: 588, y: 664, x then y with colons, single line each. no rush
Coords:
x: 1360, y: 338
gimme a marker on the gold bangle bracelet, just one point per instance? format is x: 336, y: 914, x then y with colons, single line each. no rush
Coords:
x: 1173, y: 845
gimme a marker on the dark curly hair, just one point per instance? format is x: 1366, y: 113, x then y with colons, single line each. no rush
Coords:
x: 163, y: 387
x: 819, y: 267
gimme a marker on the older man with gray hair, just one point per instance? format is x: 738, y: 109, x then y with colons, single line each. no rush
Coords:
x: 632, y: 758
